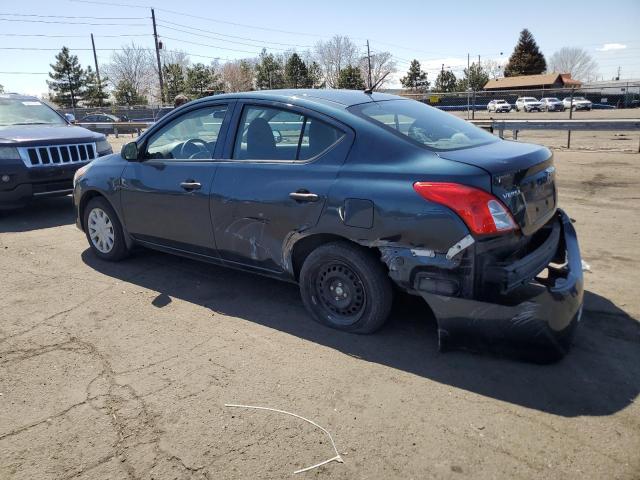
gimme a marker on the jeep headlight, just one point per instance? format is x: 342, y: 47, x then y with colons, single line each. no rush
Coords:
x: 103, y: 147
x: 9, y: 153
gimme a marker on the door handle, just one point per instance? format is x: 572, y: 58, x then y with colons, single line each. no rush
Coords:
x: 303, y: 196
x: 191, y: 185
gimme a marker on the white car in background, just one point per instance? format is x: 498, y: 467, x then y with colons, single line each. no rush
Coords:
x: 579, y: 103
x: 498, y: 106
x: 528, y: 104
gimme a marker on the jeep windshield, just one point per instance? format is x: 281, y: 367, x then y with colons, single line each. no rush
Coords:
x: 419, y: 123
x: 27, y: 111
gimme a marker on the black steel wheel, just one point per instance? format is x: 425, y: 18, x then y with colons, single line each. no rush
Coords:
x: 346, y: 287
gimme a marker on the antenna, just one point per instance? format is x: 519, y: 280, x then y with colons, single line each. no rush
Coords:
x: 373, y: 87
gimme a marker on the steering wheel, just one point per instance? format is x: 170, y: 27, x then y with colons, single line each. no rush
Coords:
x: 193, y: 148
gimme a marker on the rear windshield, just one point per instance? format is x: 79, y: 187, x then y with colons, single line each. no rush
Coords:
x: 16, y: 111
x: 427, y: 126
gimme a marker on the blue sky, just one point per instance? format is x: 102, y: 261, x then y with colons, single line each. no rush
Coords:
x: 434, y: 33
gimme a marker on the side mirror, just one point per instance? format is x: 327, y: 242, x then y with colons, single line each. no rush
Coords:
x: 71, y: 118
x: 130, y: 152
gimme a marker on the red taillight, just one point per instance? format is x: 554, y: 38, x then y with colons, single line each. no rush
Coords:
x: 482, y: 212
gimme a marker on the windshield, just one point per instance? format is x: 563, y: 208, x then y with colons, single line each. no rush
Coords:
x: 425, y: 125
x: 552, y: 99
x: 529, y: 99
x: 578, y: 98
x: 14, y: 111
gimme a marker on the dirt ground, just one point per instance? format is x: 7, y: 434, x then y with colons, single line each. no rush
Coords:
x: 114, y: 371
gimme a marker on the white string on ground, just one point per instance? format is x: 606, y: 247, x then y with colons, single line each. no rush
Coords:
x: 337, y: 458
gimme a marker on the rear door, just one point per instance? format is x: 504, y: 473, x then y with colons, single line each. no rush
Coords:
x: 273, y: 180
x: 165, y: 196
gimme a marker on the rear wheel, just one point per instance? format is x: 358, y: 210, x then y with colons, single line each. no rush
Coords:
x: 103, y: 230
x: 346, y: 287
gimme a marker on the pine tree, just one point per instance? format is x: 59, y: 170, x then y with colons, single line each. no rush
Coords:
x: 174, y: 82
x: 126, y: 94
x: 315, y: 75
x: 296, y: 74
x: 475, y: 77
x: 68, y: 79
x: 416, y: 79
x: 269, y: 74
x: 95, y: 94
x: 350, y: 77
x: 200, y: 78
x: 526, y: 58
x: 445, y: 82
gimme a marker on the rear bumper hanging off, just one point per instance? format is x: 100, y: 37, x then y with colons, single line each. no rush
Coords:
x: 538, y: 327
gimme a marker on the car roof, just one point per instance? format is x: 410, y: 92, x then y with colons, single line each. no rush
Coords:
x: 333, y: 97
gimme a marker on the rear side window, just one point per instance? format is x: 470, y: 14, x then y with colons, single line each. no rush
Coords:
x: 427, y: 126
x: 267, y: 133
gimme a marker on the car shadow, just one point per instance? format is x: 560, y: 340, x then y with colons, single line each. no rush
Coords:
x: 41, y: 213
x: 598, y: 377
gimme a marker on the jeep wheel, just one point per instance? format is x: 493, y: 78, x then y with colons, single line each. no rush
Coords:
x: 103, y: 231
x: 346, y: 287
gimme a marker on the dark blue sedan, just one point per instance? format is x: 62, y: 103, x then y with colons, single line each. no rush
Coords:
x: 352, y: 195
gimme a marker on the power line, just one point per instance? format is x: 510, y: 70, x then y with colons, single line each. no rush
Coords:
x: 210, y: 46
x: 228, y: 36
x: 200, y: 17
x: 72, y: 36
x: 73, y: 23
x: 68, y: 16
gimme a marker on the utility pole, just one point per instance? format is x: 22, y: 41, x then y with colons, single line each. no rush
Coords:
x: 155, y: 37
x: 478, y: 60
x: 369, y: 63
x: 95, y: 59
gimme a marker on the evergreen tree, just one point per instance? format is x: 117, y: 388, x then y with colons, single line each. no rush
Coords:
x: 296, y: 74
x: 174, y: 82
x: 475, y: 77
x: 350, y: 77
x: 315, y: 75
x: 526, y: 58
x: 1, y: 88
x: 269, y: 74
x: 95, y: 94
x: 200, y: 78
x: 445, y: 82
x: 68, y: 79
x: 416, y: 79
x: 126, y: 94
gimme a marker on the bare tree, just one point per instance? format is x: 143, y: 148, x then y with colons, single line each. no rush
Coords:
x: 575, y: 61
x: 382, y: 66
x: 133, y: 65
x: 334, y: 55
x: 175, y: 57
x: 493, y: 68
x: 237, y: 76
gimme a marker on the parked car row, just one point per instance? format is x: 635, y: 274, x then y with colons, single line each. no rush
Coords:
x: 546, y: 104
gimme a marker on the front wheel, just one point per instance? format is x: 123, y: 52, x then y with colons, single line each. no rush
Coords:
x: 104, y: 231
x: 346, y: 287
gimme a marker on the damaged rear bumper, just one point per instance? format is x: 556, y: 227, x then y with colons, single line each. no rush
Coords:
x: 536, y: 321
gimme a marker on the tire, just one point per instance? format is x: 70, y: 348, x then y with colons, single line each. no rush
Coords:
x: 107, y: 241
x: 340, y: 268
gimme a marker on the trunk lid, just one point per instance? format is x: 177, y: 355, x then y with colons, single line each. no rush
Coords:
x: 522, y: 177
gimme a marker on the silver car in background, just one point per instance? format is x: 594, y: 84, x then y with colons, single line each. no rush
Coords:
x: 551, y: 104
x: 498, y: 106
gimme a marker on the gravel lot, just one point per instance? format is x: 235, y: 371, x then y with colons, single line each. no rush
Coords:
x: 112, y: 371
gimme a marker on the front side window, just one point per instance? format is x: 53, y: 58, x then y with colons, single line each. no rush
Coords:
x: 191, y: 136
x: 428, y: 126
x: 267, y: 133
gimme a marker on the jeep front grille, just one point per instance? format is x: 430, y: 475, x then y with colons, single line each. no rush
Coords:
x: 57, y: 154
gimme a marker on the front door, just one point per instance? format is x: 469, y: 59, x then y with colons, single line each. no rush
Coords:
x: 165, y: 196
x: 273, y: 181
